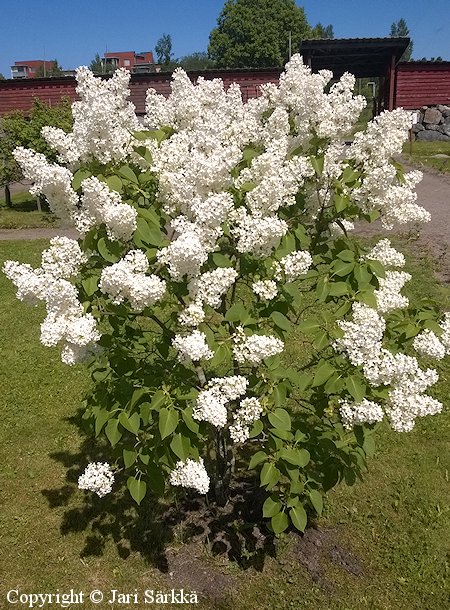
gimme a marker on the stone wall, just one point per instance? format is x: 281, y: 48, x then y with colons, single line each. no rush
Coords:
x: 433, y: 123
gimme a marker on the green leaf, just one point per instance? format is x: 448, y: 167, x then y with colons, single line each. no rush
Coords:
x: 90, y: 285
x: 101, y: 417
x: 193, y: 426
x: 338, y: 289
x: 377, y: 268
x: 108, y: 250
x: 367, y: 297
x: 317, y: 163
x: 296, y: 457
x: 356, y: 387
x: 369, y: 446
x: 130, y: 423
x: 347, y: 255
x: 238, y: 313
x: 298, y: 517
x: 362, y: 275
x: 280, y: 320
x: 112, y: 431
x: 271, y: 507
x: 434, y: 326
x: 114, y: 183
x: 342, y: 268
x: 180, y: 445
x: 322, y: 288
x: 158, y: 398
x: 309, y: 327
x: 128, y: 173
x: 270, y: 475
x: 316, y: 500
x: 340, y: 203
x: 321, y: 340
x: 297, y: 487
x: 137, y: 489
x: 220, y: 355
x: 168, y: 421
x: 323, y: 373
x: 78, y: 178
x: 156, y: 479
x: 257, y: 458
x: 129, y: 457
x: 220, y: 260
x: 148, y: 234
x: 280, y: 419
x: 279, y: 523
x: 256, y: 429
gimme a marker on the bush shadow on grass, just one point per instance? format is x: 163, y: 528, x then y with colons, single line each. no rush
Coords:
x: 152, y: 527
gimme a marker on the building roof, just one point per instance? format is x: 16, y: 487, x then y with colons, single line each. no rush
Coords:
x: 363, y: 57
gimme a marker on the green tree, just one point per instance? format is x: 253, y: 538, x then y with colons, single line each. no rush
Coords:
x: 18, y: 130
x: 54, y: 70
x: 195, y: 61
x: 321, y: 31
x: 163, y: 49
x: 99, y: 66
x: 255, y: 33
x: 399, y: 29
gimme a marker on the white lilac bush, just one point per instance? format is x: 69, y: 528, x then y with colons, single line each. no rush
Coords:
x: 210, y: 244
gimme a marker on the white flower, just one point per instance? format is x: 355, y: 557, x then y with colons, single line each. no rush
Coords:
x: 427, y: 343
x: 296, y: 264
x: 386, y: 254
x: 127, y: 280
x: 256, y: 348
x: 266, y: 289
x: 98, y: 477
x: 211, y: 404
x: 364, y: 412
x: 249, y: 411
x: 190, y: 474
x: 211, y: 286
x: 388, y: 295
x: 363, y: 336
x: 192, y: 347
x: 193, y: 315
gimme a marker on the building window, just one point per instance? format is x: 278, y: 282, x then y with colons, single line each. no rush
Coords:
x: 126, y: 62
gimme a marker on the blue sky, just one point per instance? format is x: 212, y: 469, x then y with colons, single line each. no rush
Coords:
x: 74, y: 31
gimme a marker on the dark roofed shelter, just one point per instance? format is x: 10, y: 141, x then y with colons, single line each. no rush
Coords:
x: 363, y: 57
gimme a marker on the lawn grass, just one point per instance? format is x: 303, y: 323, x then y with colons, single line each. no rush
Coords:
x: 24, y: 214
x: 424, y: 154
x: 396, y: 522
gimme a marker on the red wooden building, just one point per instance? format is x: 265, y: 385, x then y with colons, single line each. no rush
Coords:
x: 423, y: 83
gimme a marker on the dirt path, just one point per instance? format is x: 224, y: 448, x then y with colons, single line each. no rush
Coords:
x: 433, y: 194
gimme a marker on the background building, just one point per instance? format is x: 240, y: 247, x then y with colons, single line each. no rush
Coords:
x: 28, y: 69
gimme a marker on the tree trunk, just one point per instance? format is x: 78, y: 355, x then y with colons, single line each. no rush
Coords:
x: 8, y: 196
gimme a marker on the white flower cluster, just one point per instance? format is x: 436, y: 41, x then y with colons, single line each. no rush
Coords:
x: 249, y: 411
x: 257, y: 235
x: 362, y: 336
x: 265, y: 289
x: 407, y: 382
x: 357, y: 413
x: 103, y: 121
x: 210, y: 287
x: 445, y: 337
x: 50, y: 180
x: 190, y: 474
x: 100, y: 205
x: 388, y: 256
x: 294, y: 265
x: 192, y: 347
x: 427, y: 343
x: 193, y: 315
x: 97, y: 477
x: 211, y: 404
x: 127, y: 280
x: 256, y: 348
x: 381, y: 188
x: 337, y: 231
x: 388, y: 295
x: 66, y: 321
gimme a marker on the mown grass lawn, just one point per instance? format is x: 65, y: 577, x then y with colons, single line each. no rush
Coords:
x: 24, y: 214
x: 396, y: 524
x: 429, y: 154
